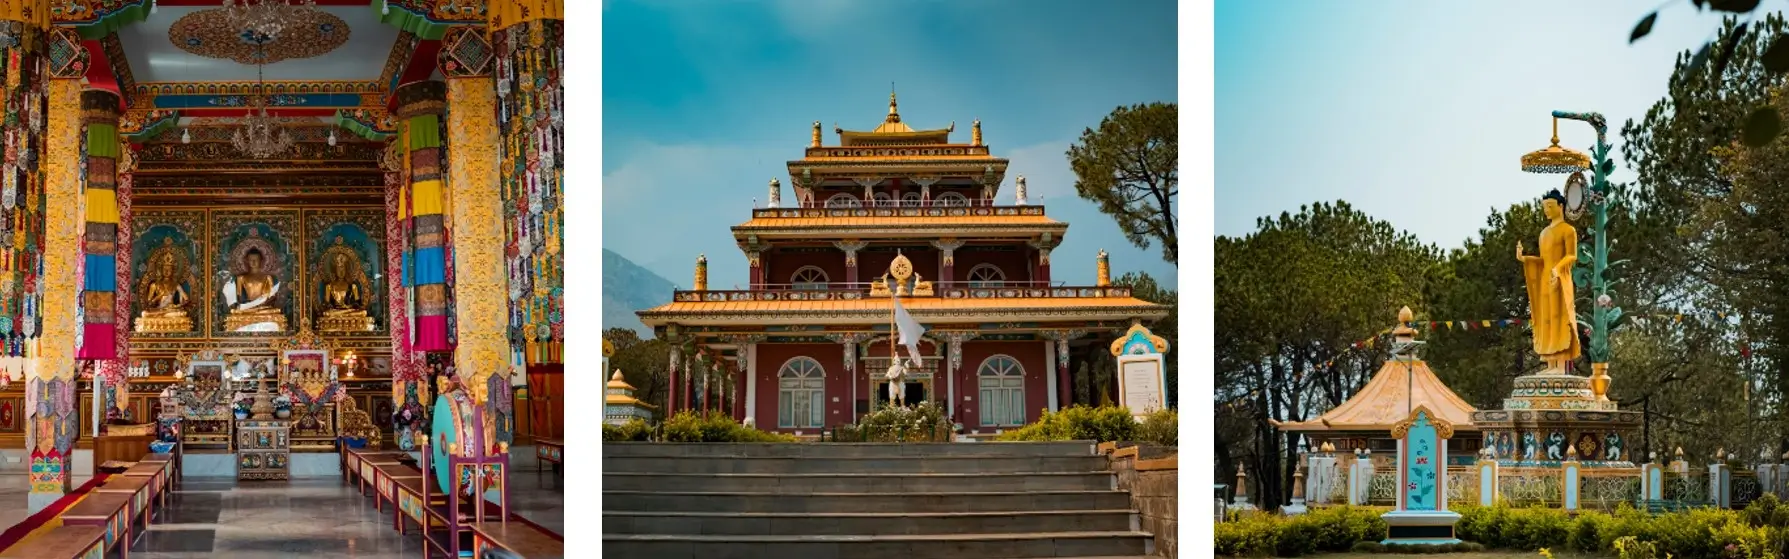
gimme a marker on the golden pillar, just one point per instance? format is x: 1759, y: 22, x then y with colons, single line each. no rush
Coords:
x: 51, y: 386
x: 480, y: 288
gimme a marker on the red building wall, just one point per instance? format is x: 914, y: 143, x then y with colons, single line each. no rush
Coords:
x: 1037, y: 375
x: 831, y: 357
x: 872, y: 264
x: 782, y: 265
x: 1016, y: 263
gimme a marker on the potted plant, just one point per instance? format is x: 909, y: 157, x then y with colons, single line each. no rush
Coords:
x: 282, y: 407
x: 240, y: 408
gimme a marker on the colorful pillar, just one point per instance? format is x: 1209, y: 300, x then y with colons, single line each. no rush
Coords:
x: 99, y: 281
x: 851, y: 247
x: 529, y: 38
x: 50, y: 392
x: 420, y: 106
x: 482, y: 346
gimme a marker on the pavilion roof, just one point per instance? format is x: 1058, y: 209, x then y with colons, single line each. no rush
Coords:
x: 925, y: 309
x: 893, y: 131
x: 1398, y: 387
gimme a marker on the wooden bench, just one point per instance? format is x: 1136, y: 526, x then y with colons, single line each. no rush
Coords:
x: 431, y: 516
x: 172, y: 462
x: 157, y: 473
x: 138, y: 490
x: 549, y: 450
x: 109, y: 511
x: 519, y: 539
x: 358, y: 466
x: 369, y: 468
x: 63, y: 542
x: 385, y: 483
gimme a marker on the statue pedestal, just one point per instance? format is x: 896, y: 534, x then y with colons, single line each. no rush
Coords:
x: 1551, y: 418
x: 345, y: 323
x: 164, y: 324
x: 240, y: 322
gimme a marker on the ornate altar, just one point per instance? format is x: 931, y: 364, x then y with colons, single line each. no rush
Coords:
x: 308, y: 378
x: 263, y: 449
x: 203, y: 402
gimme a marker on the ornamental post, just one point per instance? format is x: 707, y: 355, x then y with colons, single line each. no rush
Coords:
x: 480, y: 286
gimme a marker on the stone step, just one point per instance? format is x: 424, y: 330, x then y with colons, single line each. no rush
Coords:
x: 878, y: 465
x: 860, y: 502
x: 869, y: 524
x: 846, y: 450
x: 965, y: 546
x: 858, y: 483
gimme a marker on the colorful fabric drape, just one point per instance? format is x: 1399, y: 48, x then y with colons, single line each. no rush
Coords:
x: 422, y: 205
x: 531, y: 120
x: 99, y: 285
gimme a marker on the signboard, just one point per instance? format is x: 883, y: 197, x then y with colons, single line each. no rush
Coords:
x: 1141, y: 384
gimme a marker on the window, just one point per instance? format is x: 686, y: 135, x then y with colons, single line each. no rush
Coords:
x: 843, y: 201
x: 801, y: 394
x: 910, y: 199
x: 955, y: 199
x: 809, y: 277
x: 884, y: 200
x: 986, y: 276
x: 1002, y: 382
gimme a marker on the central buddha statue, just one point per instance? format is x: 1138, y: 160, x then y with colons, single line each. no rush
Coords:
x: 164, y: 295
x: 1550, y: 292
x: 344, y: 293
x: 251, y: 296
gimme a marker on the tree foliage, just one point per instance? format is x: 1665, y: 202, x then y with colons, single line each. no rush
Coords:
x: 644, y: 363
x: 1130, y: 167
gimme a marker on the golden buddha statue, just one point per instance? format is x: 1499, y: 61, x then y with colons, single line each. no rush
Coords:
x: 1550, y: 292
x: 344, y: 291
x: 163, y: 292
x: 250, y: 297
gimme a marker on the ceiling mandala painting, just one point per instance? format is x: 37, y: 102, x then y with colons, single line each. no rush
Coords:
x: 209, y: 33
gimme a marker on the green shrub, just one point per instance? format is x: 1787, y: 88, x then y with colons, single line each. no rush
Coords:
x: 716, y: 427
x: 925, y: 421
x: 1079, y: 423
x: 1330, y: 529
x: 635, y: 430
x: 1160, y: 427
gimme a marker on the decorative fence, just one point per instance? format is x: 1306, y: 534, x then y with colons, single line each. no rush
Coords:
x: 1355, y: 480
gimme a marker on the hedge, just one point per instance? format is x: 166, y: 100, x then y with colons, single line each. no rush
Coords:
x: 694, y: 427
x: 1103, y: 424
x: 1761, y: 531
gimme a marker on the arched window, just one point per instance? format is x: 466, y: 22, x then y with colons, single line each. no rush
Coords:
x: 910, y: 199
x: 884, y: 200
x: 842, y: 200
x: 809, y: 277
x: 1002, y: 381
x: 986, y: 276
x: 955, y: 199
x: 801, y: 394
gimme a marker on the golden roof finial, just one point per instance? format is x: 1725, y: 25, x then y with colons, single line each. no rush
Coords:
x: 894, y: 114
x: 1403, y: 331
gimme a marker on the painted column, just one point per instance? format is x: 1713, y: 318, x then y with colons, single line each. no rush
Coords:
x: 947, y: 264
x: 1042, y: 275
x: 955, y: 340
x: 409, y: 389
x: 480, y: 288
x: 751, y: 383
x: 1049, y: 383
x: 1653, y: 479
x: 1719, y: 484
x: 851, y: 247
x: 50, y: 396
x: 98, y: 334
x: 1571, y: 472
x: 1065, y: 389
x: 420, y: 106
x: 1487, y: 479
x: 529, y: 36
x: 117, y: 369
x: 754, y: 259
x: 671, y: 394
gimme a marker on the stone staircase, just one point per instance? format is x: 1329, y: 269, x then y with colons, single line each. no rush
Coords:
x: 864, y: 501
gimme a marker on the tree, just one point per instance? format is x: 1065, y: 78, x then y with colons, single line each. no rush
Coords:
x: 1130, y: 167
x: 1761, y: 124
x: 643, y: 363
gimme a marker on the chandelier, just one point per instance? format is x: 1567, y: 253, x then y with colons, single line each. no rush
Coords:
x: 261, y: 135
x: 261, y: 21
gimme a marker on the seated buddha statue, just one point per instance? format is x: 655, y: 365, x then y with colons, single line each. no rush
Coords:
x: 253, y: 295
x: 344, y: 291
x: 163, y: 292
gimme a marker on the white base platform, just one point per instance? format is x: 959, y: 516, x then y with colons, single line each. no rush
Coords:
x: 303, y: 465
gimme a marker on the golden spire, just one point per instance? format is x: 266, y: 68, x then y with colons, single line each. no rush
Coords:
x: 975, y: 133
x: 894, y: 114
x: 816, y: 140
x: 1105, y: 269
x: 701, y: 272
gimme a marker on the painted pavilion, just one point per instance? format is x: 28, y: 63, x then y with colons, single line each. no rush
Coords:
x: 806, y: 344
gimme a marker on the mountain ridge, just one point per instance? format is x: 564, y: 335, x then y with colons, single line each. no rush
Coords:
x: 628, y: 287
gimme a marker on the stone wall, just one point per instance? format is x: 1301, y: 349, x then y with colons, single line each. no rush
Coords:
x: 1152, y: 476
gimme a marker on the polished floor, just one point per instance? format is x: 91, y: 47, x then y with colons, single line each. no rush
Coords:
x: 317, y: 516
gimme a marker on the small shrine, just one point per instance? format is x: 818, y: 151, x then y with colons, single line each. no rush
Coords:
x: 620, y: 405
x: 1404, y: 383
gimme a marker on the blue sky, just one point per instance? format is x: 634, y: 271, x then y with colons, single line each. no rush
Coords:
x: 705, y: 101
x: 1418, y: 112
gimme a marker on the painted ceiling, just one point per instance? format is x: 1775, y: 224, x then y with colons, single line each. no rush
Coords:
x: 195, y: 44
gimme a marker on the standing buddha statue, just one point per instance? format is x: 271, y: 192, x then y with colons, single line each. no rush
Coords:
x: 1548, y: 276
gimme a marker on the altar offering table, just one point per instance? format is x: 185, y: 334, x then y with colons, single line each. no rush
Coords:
x: 549, y: 450
x: 64, y: 542
x: 263, y: 448
x: 517, y: 538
